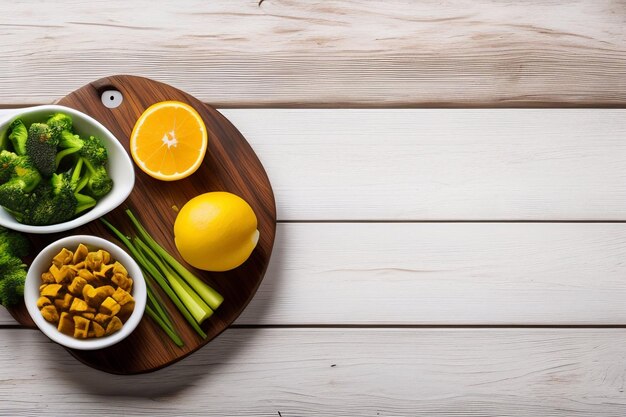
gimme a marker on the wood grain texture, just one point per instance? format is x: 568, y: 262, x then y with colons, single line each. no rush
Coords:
x: 335, y: 372
x: 443, y: 274
x: 437, y: 164
x: 345, y: 52
x: 230, y: 165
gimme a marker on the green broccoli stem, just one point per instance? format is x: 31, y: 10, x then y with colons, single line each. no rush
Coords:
x: 83, y: 202
x: 157, y: 277
x: 175, y: 338
x: 81, y: 184
x: 77, y: 171
x: 212, y: 298
x: 198, y: 308
x: 18, y: 216
x: 76, y: 178
x: 62, y: 154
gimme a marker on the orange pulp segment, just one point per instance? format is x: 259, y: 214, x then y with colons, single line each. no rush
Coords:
x: 169, y: 141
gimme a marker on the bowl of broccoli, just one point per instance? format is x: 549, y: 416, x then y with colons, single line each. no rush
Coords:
x: 59, y: 169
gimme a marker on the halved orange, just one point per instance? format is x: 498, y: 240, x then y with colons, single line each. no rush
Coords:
x: 169, y: 141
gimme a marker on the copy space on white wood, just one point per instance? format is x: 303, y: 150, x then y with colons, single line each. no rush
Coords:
x: 285, y: 52
x: 338, y: 372
x: 442, y: 273
x: 442, y: 164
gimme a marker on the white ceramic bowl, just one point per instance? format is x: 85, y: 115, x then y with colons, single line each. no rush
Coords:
x: 43, y: 261
x: 120, y: 167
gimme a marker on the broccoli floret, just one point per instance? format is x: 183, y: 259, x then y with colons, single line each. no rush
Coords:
x: 16, y: 243
x: 18, y: 136
x: 70, y: 144
x: 94, y: 151
x: 41, y: 208
x: 68, y: 140
x: 57, y: 201
x: 8, y: 262
x: 26, y: 173
x: 91, y: 149
x: 41, y: 147
x: 60, y: 122
x: 99, y: 183
x: 12, y: 288
x: 12, y: 278
x: 7, y: 164
x: 13, y: 197
x: 66, y: 183
x: 13, y: 246
x: 61, y: 125
x: 93, y: 154
x: 23, y: 178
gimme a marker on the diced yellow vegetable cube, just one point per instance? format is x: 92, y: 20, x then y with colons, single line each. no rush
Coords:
x: 77, y: 285
x: 105, y: 272
x: 122, y: 281
x: 110, y: 306
x: 66, y: 324
x: 127, y: 302
x: 78, y: 306
x: 51, y: 290
x: 50, y: 313
x: 63, y: 258
x: 126, y: 311
x: 97, y: 329
x: 105, y: 256
x: 64, y: 303
x: 118, y: 268
x: 114, y: 325
x: 81, y: 327
x: 87, y: 276
x: 93, y: 261
x: 102, y: 319
x: 96, y: 296
x: 43, y: 301
x: 47, y: 278
x: 63, y: 275
x: 78, y: 267
x: 122, y: 296
x: 86, y: 289
x: 80, y: 254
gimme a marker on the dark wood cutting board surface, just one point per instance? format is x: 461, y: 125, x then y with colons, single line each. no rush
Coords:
x: 230, y: 165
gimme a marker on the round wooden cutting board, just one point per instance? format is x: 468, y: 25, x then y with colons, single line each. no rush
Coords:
x: 230, y: 165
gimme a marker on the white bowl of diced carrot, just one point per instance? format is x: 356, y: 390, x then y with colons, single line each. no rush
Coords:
x: 85, y: 292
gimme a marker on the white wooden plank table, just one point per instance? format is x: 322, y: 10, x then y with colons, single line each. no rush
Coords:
x: 428, y: 260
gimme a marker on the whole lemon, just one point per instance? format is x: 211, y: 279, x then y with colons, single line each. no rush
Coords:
x: 216, y: 231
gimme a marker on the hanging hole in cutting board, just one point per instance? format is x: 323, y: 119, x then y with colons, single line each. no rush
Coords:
x: 111, y: 98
